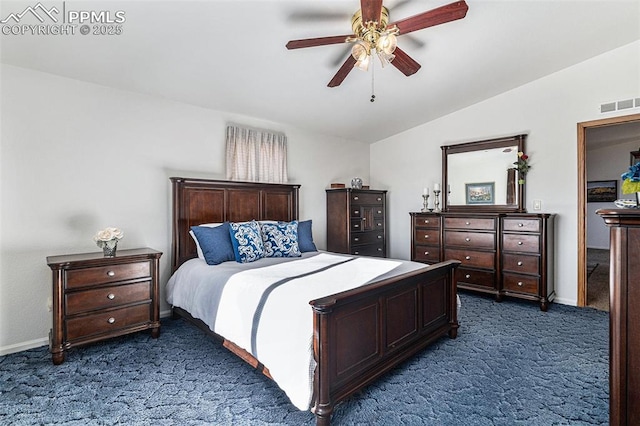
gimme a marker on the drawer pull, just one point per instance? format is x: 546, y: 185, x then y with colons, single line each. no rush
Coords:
x: 426, y: 253
x: 426, y: 236
x: 467, y: 239
x: 467, y: 257
x: 467, y: 276
x: 364, y: 218
x: 355, y: 198
x: 521, y: 225
x: 356, y: 239
x: 356, y: 226
x: 379, y: 199
x: 519, y: 263
x: 379, y: 211
x: 356, y: 252
x: 519, y: 243
x: 379, y: 224
x: 520, y: 283
x: 111, y: 273
x: 111, y: 296
x: 467, y: 223
x: 111, y: 320
x: 379, y: 237
x: 379, y: 249
x: 426, y: 221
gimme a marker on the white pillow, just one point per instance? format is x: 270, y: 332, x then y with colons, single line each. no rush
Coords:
x: 209, y: 225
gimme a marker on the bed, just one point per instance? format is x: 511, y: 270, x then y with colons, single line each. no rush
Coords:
x: 357, y: 334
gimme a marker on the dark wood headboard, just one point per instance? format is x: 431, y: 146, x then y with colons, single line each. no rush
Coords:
x: 198, y: 201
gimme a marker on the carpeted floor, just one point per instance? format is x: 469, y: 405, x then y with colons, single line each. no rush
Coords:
x: 510, y: 365
x: 598, y: 279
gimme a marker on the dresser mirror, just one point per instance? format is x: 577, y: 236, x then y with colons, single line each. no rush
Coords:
x: 479, y: 176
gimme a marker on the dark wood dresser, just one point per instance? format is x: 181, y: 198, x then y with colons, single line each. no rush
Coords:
x: 356, y: 221
x: 624, y: 316
x: 504, y: 254
x: 97, y: 297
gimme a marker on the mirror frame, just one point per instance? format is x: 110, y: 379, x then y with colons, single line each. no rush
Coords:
x: 447, y: 150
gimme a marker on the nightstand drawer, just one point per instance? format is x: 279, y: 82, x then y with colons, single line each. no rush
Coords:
x: 107, y: 297
x: 369, y: 250
x: 473, y: 277
x: 108, y: 321
x: 520, y: 283
x: 520, y: 263
x: 107, y: 274
x: 428, y: 254
x: 520, y: 242
x: 427, y: 222
x: 359, y: 238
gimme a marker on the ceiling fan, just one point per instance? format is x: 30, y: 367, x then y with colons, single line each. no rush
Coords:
x: 373, y: 34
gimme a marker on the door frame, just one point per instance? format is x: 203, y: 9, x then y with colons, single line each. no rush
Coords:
x: 582, y: 195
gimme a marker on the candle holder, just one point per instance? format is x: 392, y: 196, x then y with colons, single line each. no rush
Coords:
x: 425, y: 202
x: 436, y: 201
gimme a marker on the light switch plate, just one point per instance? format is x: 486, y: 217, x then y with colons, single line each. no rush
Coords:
x: 537, y: 204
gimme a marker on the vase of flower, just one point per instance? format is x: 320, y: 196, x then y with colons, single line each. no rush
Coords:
x: 522, y: 166
x: 631, y: 182
x: 107, y: 240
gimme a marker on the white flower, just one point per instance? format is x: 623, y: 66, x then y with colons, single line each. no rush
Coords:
x: 108, y: 234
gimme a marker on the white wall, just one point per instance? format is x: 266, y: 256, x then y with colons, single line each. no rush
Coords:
x: 77, y: 157
x: 548, y: 110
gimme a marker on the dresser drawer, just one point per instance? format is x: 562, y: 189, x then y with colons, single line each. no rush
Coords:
x: 426, y: 222
x: 363, y: 211
x: 470, y: 223
x: 430, y: 236
x: 527, y: 225
x: 520, y: 242
x: 366, y: 237
x: 521, y: 263
x: 367, y: 198
x: 470, y: 239
x: 107, y: 274
x: 108, y: 321
x: 369, y: 250
x: 477, y: 259
x: 107, y: 297
x: 520, y: 283
x: 473, y: 277
x: 427, y: 254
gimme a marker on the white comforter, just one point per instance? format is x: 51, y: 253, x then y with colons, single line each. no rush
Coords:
x: 267, y: 313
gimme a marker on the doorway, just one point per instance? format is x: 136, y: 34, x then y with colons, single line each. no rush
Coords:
x: 582, y: 191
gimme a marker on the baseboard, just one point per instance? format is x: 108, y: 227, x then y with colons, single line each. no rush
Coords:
x: 564, y: 301
x: 36, y: 343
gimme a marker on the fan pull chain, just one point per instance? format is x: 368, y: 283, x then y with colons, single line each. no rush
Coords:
x: 373, y: 96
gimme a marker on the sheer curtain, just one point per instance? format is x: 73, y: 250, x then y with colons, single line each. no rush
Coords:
x: 256, y: 155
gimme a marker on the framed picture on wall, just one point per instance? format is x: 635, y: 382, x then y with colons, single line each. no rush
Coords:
x: 480, y: 193
x: 602, y: 191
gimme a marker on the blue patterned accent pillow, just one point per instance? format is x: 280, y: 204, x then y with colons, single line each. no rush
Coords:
x: 280, y: 239
x: 247, y: 241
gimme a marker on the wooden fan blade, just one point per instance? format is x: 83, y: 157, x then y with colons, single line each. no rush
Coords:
x: 319, y: 41
x: 405, y: 63
x: 371, y: 10
x: 440, y: 15
x: 342, y: 73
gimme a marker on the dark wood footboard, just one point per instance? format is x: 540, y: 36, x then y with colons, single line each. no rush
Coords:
x: 361, y: 334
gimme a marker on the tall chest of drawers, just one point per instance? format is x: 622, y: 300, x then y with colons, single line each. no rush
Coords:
x: 356, y: 221
x: 504, y: 254
x: 97, y: 297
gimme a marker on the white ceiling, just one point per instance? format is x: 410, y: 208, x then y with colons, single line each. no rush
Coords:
x: 231, y: 56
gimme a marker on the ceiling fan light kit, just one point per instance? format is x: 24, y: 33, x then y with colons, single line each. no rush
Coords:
x: 372, y: 33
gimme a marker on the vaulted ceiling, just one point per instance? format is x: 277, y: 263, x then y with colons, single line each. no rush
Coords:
x: 231, y: 56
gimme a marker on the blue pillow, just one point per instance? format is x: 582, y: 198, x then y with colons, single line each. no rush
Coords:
x: 215, y: 243
x: 247, y: 241
x: 280, y: 239
x: 305, y: 237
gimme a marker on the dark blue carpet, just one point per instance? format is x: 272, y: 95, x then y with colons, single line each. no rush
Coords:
x: 510, y: 365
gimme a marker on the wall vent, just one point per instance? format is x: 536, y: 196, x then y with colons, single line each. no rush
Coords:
x: 620, y: 105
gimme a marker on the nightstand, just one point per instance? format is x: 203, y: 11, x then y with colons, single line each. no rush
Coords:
x: 97, y: 297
